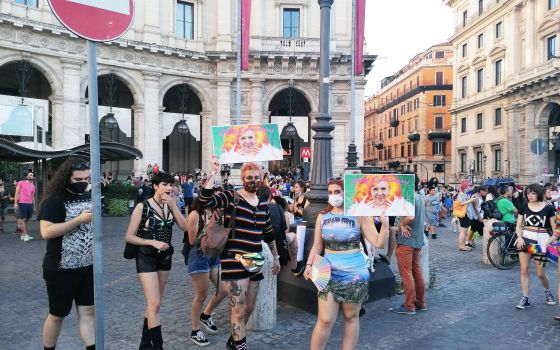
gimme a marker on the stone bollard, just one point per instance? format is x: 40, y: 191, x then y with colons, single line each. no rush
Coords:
x: 485, y: 237
x: 425, y: 260
x: 264, y: 315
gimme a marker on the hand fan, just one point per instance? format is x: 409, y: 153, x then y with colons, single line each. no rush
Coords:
x: 320, y: 272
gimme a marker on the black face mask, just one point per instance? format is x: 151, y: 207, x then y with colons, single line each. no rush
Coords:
x: 78, y: 187
x: 251, y: 186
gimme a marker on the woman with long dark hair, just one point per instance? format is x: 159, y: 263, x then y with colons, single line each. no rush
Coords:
x: 339, y: 236
x: 65, y: 223
x: 202, y: 270
x: 150, y: 229
x: 535, y: 216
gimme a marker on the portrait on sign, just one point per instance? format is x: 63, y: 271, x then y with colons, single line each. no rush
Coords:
x: 246, y: 143
x: 379, y: 195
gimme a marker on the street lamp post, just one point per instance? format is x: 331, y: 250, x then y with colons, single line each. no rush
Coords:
x: 484, y: 157
x: 321, y: 169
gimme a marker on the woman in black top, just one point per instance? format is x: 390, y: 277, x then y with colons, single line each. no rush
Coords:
x: 300, y: 202
x: 532, y: 230
x: 153, y: 262
x: 252, y: 226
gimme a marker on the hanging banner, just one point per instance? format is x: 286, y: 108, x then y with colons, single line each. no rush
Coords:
x: 379, y: 195
x: 359, y: 36
x: 245, y: 33
x: 246, y: 143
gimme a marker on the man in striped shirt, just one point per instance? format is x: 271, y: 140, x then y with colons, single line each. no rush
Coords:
x: 252, y: 226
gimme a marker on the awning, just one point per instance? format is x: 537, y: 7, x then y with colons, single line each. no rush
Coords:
x: 110, y: 151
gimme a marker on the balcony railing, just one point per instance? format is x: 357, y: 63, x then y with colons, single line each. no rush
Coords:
x: 439, y: 134
x: 283, y: 45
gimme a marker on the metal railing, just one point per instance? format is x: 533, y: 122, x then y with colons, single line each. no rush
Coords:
x: 285, y: 45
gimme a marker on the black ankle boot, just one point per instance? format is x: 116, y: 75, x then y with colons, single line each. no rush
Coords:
x: 145, y: 342
x: 157, y: 340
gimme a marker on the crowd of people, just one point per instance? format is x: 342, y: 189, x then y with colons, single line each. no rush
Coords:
x: 265, y: 209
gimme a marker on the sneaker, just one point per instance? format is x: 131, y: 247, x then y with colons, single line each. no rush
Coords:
x: 199, y: 338
x: 523, y: 304
x: 300, y: 268
x: 419, y: 308
x: 470, y: 245
x: 208, y: 323
x: 402, y: 310
x: 27, y: 238
x: 434, y: 236
x: 549, y: 298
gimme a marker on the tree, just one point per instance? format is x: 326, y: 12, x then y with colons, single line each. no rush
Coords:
x: 8, y: 169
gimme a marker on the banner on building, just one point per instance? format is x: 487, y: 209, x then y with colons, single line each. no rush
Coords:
x: 379, y: 194
x: 16, y: 119
x: 245, y: 33
x: 359, y: 36
x: 246, y: 143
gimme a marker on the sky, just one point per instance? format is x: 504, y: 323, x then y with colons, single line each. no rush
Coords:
x: 397, y: 30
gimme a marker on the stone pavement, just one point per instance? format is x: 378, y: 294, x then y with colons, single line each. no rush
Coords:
x: 471, y: 306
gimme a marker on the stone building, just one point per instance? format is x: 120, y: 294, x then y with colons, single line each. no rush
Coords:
x: 178, y: 62
x: 506, y: 89
x: 407, y: 122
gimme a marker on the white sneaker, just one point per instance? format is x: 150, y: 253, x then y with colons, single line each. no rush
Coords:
x: 27, y: 238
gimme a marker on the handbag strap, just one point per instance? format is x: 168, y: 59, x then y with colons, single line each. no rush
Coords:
x: 232, y: 218
x: 143, y: 219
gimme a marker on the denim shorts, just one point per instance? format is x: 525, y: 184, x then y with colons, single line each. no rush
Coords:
x: 201, y: 263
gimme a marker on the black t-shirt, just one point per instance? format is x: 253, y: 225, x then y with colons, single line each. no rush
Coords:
x: 540, y: 219
x: 73, y: 250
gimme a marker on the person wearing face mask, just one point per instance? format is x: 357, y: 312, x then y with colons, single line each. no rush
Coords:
x: 65, y: 223
x: 252, y: 226
x: 339, y: 236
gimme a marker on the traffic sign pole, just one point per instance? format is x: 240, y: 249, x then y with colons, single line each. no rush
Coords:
x: 95, y: 163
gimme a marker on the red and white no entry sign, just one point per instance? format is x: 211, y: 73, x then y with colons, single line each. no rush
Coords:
x: 96, y: 20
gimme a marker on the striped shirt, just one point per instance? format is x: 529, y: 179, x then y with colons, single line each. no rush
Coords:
x: 252, y: 226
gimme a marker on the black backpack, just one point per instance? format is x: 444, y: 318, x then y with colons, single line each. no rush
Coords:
x: 490, y: 210
x: 279, y: 226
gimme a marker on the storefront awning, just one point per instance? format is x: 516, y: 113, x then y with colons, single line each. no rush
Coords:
x: 110, y: 151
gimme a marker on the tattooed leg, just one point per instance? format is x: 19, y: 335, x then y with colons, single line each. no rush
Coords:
x: 252, y: 291
x: 238, y: 303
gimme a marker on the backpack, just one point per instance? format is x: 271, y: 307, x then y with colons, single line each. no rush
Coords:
x: 490, y: 210
x: 214, y: 235
x: 279, y: 226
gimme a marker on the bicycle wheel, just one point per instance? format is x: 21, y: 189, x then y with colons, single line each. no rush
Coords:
x: 500, y: 255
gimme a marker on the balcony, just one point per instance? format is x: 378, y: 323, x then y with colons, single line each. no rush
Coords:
x: 394, y: 122
x: 414, y: 136
x: 284, y: 46
x: 439, y: 134
x: 394, y: 164
x: 379, y: 146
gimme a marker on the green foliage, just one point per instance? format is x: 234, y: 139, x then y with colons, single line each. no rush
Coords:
x: 116, y: 207
x: 8, y: 169
x: 119, y: 191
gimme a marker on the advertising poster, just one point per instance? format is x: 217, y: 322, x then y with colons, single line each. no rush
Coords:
x: 379, y: 195
x: 246, y: 143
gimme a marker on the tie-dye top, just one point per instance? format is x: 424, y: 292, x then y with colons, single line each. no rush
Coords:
x: 340, y: 232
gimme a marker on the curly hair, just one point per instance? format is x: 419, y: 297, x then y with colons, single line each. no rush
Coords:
x: 232, y: 135
x: 363, y: 188
x: 61, y: 178
x: 249, y: 166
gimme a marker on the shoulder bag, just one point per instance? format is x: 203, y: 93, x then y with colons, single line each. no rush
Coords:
x: 131, y: 250
x: 214, y: 235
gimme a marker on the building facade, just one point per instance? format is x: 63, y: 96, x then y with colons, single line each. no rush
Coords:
x: 506, y: 106
x: 407, y: 122
x: 178, y: 62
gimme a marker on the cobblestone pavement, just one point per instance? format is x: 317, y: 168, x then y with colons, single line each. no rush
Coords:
x: 471, y: 306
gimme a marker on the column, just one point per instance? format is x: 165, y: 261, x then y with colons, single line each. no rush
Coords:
x: 513, y: 120
x: 513, y: 43
x: 225, y: 17
x: 359, y: 109
x: 206, y: 138
x: 530, y: 34
x: 151, y: 121
x: 73, y: 123
x: 138, y: 141
x: 256, y: 101
x: 151, y: 23
x: 530, y: 169
x: 453, y: 169
x: 58, y: 137
x: 223, y: 99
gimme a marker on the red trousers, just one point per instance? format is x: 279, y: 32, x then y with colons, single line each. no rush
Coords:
x: 408, y: 259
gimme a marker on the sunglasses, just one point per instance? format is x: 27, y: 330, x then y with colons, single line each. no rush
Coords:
x: 80, y: 165
x: 252, y: 178
x: 337, y: 178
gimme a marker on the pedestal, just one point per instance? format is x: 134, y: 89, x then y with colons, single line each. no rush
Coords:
x: 264, y: 315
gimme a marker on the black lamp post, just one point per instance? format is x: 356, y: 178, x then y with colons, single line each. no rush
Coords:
x: 484, y: 158
x: 321, y: 167
x: 182, y: 127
